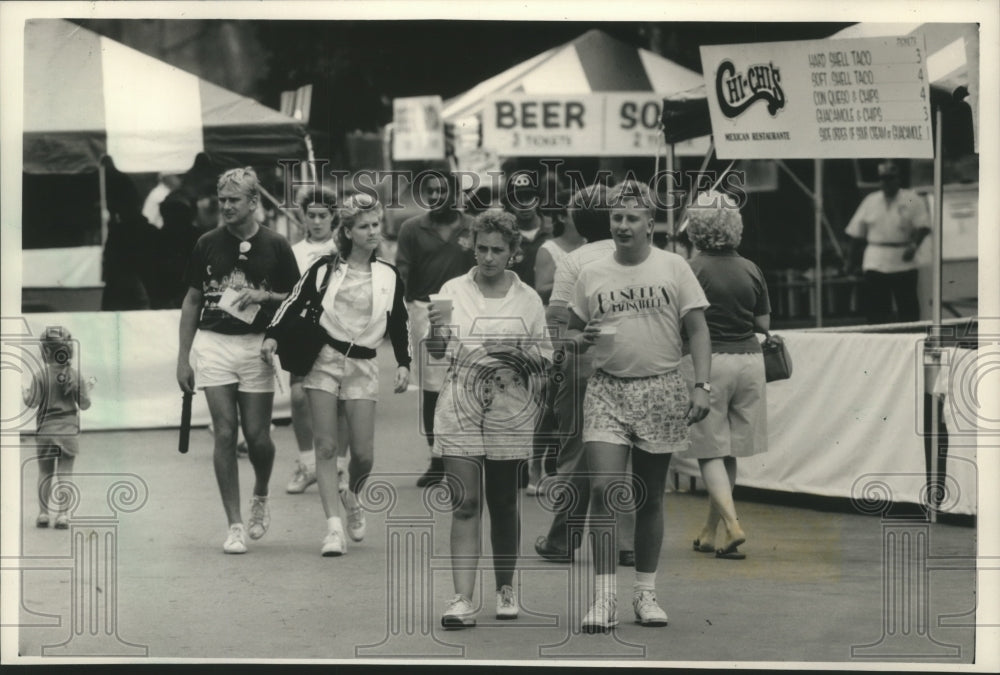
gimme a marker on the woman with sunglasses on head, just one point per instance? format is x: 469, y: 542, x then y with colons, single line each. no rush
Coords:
x: 493, y: 331
x: 362, y: 301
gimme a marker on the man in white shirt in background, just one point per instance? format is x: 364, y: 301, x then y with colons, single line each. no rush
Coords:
x: 889, y: 227
x: 168, y: 182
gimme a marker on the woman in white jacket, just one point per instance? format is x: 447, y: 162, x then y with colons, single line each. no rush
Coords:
x: 362, y: 302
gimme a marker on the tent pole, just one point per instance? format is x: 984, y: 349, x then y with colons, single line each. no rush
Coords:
x: 809, y: 193
x: 311, y: 160
x: 937, y: 221
x: 102, y: 179
x: 936, y: 245
x: 671, y: 223
x: 818, y: 201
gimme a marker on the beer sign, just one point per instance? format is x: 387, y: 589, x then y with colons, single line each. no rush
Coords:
x: 532, y: 125
x: 603, y: 124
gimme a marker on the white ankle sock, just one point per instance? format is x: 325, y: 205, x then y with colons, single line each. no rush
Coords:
x: 334, y: 525
x: 308, y: 459
x: 605, y: 584
x: 644, y: 581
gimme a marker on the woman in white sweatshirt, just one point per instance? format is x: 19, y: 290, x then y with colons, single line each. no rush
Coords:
x: 362, y: 302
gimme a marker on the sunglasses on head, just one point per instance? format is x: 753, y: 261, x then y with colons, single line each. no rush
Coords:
x: 359, y: 200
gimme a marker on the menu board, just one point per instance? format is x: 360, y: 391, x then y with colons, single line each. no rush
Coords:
x: 867, y: 97
x: 418, y: 128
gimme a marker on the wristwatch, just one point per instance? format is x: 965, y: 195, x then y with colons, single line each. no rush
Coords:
x: 703, y: 385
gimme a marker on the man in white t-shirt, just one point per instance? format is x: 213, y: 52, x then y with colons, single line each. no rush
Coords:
x: 590, y: 217
x: 629, y: 308
x: 889, y: 225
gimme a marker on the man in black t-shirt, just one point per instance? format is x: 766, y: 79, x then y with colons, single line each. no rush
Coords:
x: 237, y: 276
x: 433, y: 248
x: 521, y: 197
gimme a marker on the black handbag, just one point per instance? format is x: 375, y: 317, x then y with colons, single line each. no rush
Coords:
x: 299, y: 335
x: 777, y: 360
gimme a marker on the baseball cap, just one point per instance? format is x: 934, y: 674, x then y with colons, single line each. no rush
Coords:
x: 520, y: 183
x: 887, y: 169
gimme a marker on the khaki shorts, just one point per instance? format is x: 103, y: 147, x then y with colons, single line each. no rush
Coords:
x: 736, y: 425
x: 647, y: 412
x: 220, y: 360
x: 492, y: 415
x: 347, y: 379
x: 53, y: 445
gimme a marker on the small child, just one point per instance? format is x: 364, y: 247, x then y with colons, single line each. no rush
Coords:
x: 59, y: 397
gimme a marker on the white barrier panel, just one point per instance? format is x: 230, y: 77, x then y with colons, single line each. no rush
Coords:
x: 849, y: 420
x: 133, y: 355
x: 72, y: 267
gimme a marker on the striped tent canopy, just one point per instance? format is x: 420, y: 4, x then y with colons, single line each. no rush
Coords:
x: 86, y: 96
x: 592, y: 63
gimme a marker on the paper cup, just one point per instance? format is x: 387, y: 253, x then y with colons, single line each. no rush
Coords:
x: 606, y: 337
x: 441, y: 303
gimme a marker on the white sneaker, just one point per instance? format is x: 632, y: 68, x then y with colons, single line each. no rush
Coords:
x: 603, y: 615
x: 647, y: 611
x: 301, y: 479
x: 355, y: 516
x: 460, y: 613
x: 236, y: 540
x: 260, y: 518
x: 506, y: 603
x: 333, y: 545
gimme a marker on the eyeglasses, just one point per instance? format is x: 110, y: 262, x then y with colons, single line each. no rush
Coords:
x: 244, y: 249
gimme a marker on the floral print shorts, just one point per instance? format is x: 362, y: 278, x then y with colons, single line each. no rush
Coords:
x: 647, y: 412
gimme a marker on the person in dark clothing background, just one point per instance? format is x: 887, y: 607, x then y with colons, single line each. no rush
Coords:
x: 521, y: 197
x: 125, y: 268
x: 175, y: 242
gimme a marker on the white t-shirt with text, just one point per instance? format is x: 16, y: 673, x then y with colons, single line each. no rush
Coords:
x: 646, y: 302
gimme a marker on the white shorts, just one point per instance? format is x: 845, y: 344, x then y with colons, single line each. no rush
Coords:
x: 347, y: 379
x: 492, y: 416
x: 430, y: 372
x: 220, y: 360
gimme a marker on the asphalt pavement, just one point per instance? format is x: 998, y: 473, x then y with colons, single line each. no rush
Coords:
x: 141, y: 574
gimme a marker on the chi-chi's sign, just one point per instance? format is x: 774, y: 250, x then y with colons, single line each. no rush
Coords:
x: 617, y: 124
x: 821, y: 98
